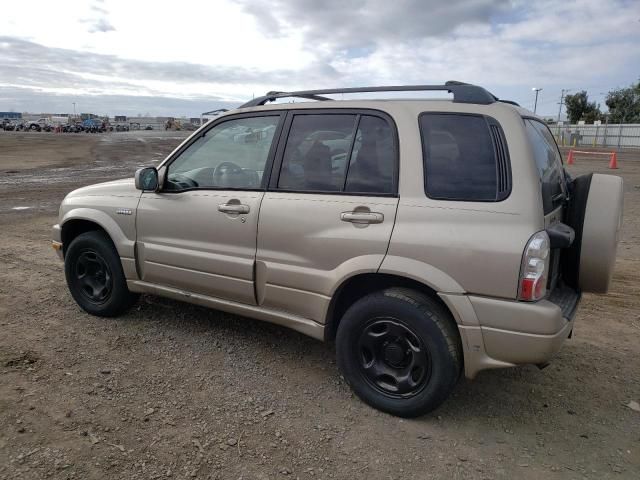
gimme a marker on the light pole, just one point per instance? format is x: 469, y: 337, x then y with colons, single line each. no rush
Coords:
x: 535, y: 105
x: 74, y: 110
x: 562, y: 94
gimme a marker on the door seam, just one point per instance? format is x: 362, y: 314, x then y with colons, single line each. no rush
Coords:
x: 393, y: 227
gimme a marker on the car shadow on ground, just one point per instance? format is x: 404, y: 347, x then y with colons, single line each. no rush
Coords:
x: 525, y: 392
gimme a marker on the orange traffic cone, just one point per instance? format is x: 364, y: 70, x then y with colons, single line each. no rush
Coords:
x: 613, y: 164
x: 570, y: 158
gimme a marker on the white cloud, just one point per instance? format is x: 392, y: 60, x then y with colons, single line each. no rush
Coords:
x: 231, y: 49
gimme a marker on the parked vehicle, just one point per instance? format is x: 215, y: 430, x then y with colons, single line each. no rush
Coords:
x: 148, y: 127
x: 93, y: 125
x: 33, y: 125
x: 426, y: 237
x: 122, y: 128
x: 75, y: 127
x: 42, y: 124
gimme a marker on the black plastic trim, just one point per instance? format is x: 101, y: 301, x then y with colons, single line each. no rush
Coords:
x: 567, y: 299
x: 462, y: 93
x: 574, y: 217
x: 560, y: 235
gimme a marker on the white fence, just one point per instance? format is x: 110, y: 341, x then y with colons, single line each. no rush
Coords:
x: 605, y: 135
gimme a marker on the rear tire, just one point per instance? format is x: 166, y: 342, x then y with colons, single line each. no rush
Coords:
x: 94, y: 275
x: 400, y: 351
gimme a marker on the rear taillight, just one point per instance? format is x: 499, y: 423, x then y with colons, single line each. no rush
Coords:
x: 534, y: 269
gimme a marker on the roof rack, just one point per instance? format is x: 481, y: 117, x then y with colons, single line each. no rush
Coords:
x: 462, y: 93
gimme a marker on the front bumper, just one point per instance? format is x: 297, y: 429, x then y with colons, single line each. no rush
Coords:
x: 56, y: 241
x: 499, y: 333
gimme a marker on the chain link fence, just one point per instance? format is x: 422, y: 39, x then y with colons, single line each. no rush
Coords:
x: 606, y: 135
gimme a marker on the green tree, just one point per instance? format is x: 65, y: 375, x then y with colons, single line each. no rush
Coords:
x: 624, y: 104
x: 579, y: 108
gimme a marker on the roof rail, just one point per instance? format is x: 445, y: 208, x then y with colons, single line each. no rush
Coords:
x: 462, y: 93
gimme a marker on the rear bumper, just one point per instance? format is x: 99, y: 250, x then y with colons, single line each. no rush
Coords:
x: 521, y: 348
x: 501, y: 333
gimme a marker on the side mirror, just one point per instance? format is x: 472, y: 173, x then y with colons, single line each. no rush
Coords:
x: 147, y: 179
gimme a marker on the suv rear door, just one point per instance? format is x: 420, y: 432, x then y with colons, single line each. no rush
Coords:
x: 552, y: 183
x: 330, y: 207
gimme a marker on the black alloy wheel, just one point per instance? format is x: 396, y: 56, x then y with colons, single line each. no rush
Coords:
x: 393, y: 359
x: 400, y: 351
x: 93, y: 276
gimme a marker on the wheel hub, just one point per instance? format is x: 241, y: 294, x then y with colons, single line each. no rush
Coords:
x: 392, y: 357
x: 394, y: 354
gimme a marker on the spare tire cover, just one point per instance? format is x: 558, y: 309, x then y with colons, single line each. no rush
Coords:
x: 595, y: 213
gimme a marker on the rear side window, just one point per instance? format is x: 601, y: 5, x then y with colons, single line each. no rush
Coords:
x: 548, y: 162
x: 338, y: 153
x: 372, y: 158
x: 465, y: 158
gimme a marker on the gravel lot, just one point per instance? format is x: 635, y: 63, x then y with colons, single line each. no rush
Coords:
x: 176, y: 391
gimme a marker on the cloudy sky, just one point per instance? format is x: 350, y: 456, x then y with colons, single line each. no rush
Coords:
x: 185, y: 57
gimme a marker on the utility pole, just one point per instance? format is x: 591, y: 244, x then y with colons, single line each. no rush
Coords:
x: 535, y: 105
x: 74, y: 110
x: 562, y: 94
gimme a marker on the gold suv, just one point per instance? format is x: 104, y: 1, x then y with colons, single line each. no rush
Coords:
x: 426, y: 237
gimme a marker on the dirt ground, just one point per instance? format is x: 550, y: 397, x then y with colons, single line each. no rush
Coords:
x: 176, y: 391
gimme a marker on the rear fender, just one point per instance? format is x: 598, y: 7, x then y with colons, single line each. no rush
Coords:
x: 422, y: 272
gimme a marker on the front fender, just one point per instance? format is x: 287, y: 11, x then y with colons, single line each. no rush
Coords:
x: 122, y: 235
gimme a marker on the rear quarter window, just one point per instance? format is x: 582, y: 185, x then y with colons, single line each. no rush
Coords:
x: 465, y: 158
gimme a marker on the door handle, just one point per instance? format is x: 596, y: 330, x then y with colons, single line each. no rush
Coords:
x: 362, y: 217
x: 233, y: 208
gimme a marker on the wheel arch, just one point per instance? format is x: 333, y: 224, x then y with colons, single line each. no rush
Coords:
x: 357, y: 286
x: 82, y: 220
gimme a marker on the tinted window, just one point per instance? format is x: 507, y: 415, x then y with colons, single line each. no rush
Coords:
x: 549, y: 163
x: 459, y: 156
x: 372, y: 161
x: 321, y: 146
x: 317, y: 152
x: 233, y: 154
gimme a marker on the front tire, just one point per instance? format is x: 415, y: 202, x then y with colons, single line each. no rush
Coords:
x: 400, y: 351
x: 94, y: 275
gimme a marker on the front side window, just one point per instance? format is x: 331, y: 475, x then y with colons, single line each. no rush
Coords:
x: 232, y: 155
x: 338, y: 153
x: 460, y: 157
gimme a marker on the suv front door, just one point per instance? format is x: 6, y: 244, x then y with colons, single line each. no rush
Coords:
x: 329, y: 210
x: 198, y: 233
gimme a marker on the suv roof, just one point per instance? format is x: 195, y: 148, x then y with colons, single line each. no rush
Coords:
x: 462, y: 93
